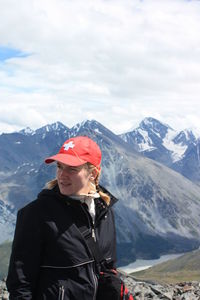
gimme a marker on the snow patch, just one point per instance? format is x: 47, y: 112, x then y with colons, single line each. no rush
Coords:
x: 146, y: 145
x: 177, y: 149
x: 97, y: 130
x: 27, y: 131
x: 31, y: 170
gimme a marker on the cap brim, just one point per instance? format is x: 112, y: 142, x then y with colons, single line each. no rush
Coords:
x: 66, y: 159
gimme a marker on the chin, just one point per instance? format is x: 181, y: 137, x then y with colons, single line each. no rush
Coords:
x: 66, y: 191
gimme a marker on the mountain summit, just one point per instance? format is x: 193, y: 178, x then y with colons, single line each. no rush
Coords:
x: 162, y: 143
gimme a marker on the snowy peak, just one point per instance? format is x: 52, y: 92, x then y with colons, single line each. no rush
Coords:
x: 141, y: 138
x: 27, y: 131
x: 58, y: 126
x: 89, y: 125
x: 85, y: 124
x: 80, y: 127
x: 160, y: 142
x: 155, y: 126
x: 148, y: 136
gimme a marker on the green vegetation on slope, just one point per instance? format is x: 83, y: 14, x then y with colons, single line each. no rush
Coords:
x: 183, y: 268
x: 5, y: 250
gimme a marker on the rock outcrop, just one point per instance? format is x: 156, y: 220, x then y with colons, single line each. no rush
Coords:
x: 3, y: 291
x: 143, y: 290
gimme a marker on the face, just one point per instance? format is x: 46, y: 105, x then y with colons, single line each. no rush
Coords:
x: 73, y: 180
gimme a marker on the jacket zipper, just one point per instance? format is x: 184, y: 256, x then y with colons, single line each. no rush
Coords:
x: 93, y: 232
x: 91, y: 223
x: 61, y: 293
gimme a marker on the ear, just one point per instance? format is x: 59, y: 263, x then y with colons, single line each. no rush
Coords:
x: 93, y: 174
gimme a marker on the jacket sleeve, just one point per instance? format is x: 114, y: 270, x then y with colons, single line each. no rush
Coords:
x: 111, y: 235
x: 26, y: 255
x: 114, y: 243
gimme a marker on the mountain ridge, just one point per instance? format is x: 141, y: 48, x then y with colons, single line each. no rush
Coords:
x: 158, y: 208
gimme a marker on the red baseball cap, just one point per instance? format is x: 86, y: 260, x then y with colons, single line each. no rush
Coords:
x: 77, y: 151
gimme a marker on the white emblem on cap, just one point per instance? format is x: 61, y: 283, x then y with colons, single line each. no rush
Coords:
x: 69, y: 145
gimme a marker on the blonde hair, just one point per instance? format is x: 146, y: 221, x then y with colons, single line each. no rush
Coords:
x: 95, y: 187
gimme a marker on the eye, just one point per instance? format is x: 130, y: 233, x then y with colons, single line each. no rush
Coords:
x: 60, y: 166
x: 74, y: 170
x: 68, y: 169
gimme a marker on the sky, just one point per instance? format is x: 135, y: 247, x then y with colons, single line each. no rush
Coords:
x: 114, y: 61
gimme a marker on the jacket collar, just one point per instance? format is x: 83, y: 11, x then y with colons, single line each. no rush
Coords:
x: 113, y: 199
x: 55, y: 191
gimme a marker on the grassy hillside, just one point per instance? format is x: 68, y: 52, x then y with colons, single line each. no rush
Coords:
x: 5, y: 250
x: 183, y: 268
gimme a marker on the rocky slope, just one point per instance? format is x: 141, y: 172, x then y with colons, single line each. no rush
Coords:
x: 143, y: 290
x: 147, y: 290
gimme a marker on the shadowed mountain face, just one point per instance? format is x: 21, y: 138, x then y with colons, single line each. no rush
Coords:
x: 189, y: 165
x: 158, y: 211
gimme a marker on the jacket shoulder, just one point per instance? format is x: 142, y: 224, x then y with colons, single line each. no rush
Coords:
x: 38, y: 203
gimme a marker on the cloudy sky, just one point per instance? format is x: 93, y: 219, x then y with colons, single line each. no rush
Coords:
x: 115, y: 61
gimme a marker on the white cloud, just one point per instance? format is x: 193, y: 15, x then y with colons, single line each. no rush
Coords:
x: 113, y: 61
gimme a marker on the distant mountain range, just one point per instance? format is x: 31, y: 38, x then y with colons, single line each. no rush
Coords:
x: 159, y: 209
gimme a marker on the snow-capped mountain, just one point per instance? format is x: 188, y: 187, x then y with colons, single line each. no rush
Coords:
x: 162, y: 143
x: 54, y: 128
x: 151, y: 139
x: 159, y: 209
x: 27, y: 131
x: 28, y: 146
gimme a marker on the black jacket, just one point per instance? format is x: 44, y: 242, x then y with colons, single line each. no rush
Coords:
x: 50, y: 257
